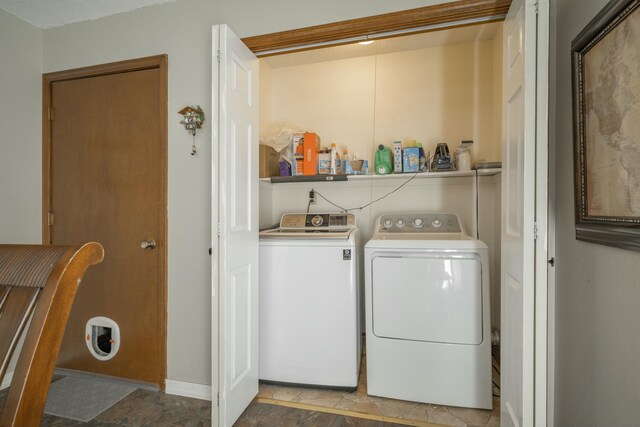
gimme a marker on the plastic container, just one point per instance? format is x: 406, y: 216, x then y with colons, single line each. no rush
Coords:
x: 463, y: 159
x: 336, y: 166
x: 383, y: 160
x: 423, y: 157
x: 285, y: 168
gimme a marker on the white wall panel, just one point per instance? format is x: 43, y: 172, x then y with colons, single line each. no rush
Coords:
x: 438, y: 94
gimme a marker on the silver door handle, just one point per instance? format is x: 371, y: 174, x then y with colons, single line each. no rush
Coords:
x: 148, y: 244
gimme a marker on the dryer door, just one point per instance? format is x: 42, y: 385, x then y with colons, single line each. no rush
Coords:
x: 432, y: 297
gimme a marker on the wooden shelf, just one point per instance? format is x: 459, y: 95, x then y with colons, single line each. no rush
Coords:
x: 420, y: 175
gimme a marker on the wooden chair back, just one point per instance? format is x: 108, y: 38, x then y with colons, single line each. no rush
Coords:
x: 37, y: 282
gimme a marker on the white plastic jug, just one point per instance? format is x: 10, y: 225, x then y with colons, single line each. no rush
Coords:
x: 463, y: 159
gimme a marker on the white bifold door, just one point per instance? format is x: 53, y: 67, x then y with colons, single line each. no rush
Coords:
x: 524, y: 215
x: 235, y: 252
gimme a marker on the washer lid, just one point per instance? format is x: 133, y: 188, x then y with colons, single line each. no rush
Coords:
x: 283, y: 233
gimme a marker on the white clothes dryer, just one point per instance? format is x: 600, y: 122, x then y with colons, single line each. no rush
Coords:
x: 310, y: 301
x: 427, y: 312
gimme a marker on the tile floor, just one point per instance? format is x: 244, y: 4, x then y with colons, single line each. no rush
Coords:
x: 359, y: 401
x: 265, y: 415
x: 144, y: 408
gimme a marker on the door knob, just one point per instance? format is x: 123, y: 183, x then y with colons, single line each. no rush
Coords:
x: 148, y: 244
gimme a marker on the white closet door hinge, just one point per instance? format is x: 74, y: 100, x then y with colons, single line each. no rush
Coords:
x: 535, y: 231
x: 219, y: 229
x: 218, y: 55
x: 218, y: 400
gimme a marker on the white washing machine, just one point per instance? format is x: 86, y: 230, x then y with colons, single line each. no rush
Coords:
x: 427, y: 312
x: 309, y: 302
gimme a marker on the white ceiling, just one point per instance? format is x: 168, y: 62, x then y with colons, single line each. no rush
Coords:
x: 56, y: 13
x: 390, y: 45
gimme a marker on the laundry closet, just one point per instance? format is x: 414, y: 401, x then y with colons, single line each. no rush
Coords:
x: 436, y: 87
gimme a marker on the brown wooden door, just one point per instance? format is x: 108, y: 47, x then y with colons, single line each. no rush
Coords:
x: 107, y: 184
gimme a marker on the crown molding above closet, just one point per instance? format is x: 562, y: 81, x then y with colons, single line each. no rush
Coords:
x: 424, y: 19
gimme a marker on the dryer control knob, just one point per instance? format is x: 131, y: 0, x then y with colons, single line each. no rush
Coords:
x: 436, y: 223
x: 399, y: 223
x: 387, y: 223
x: 418, y: 223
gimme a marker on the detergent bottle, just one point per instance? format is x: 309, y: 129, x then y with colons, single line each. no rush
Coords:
x: 383, y: 163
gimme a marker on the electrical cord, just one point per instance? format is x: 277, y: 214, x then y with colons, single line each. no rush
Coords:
x: 386, y: 195
x: 373, y: 201
x: 494, y: 382
x: 309, y: 205
x: 329, y: 201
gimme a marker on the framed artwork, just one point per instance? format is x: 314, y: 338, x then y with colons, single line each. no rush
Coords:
x: 606, y: 126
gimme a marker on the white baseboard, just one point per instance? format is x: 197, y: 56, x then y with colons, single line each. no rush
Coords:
x: 181, y: 388
x: 6, y: 381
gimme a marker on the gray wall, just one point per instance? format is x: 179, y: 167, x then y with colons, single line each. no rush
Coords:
x: 598, y: 288
x: 183, y: 31
x: 20, y: 131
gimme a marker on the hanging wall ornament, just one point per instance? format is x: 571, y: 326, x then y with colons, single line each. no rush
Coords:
x: 193, y: 118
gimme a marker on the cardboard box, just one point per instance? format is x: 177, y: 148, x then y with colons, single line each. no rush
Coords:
x: 324, y: 163
x: 298, y: 153
x: 268, y: 161
x: 311, y: 144
x: 397, y: 157
x: 356, y: 167
x: 411, y: 159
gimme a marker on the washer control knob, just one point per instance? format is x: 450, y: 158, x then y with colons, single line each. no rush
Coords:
x: 436, y: 223
x: 399, y: 223
x: 387, y: 223
x: 418, y: 223
x: 317, y: 221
